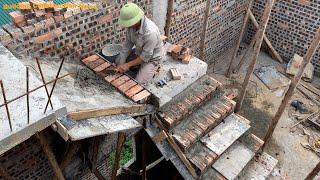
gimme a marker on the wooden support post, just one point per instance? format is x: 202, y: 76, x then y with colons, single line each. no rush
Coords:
x: 69, y: 154
x: 4, y: 173
x: 257, y: 46
x: 272, y: 49
x: 307, y: 58
x: 47, y: 150
x: 121, y: 139
x: 168, y: 20
x: 177, y: 149
x: 235, y: 51
x: 96, y: 145
x: 314, y: 172
x: 144, y: 151
x: 27, y: 89
x: 204, y: 30
x: 251, y: 45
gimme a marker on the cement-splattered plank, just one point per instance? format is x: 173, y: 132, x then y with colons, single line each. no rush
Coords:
x: 259, y: 167
x: 233, y: 161
x: 227, y: 132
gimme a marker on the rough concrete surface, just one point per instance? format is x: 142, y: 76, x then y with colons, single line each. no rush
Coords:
x: 85, y: 90
x: 189, y: 72
x: 260, y: 105
x: 13, y: 75
x: 159, y: 13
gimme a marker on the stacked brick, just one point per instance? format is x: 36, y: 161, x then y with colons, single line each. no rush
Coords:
x: 186, y: 23
x: 125, y: 84
x: 182, y: 107
x: 224, y: 24
x: 70, y: 33
x: 291, y: 27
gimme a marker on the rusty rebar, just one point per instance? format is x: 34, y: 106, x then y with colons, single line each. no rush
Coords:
x: 28, y: 107
x: 53, y: 86
x: 5, y: 101
x: 14, y: 99
x: 43, y: 81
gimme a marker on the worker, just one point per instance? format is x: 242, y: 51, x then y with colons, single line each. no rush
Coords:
x: 145, y: 36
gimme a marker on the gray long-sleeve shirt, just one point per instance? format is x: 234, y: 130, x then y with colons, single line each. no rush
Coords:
x: 148, y: 45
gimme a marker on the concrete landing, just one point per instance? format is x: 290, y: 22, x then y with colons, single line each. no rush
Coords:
x: 189, y: 72
x: 13, y: 75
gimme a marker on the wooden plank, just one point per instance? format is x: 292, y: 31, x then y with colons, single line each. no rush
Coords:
x: 159, y: 137
x: 226, y: 133
x: 63, y: 132
x: 255, y: 54
x: 126, y: 86
x: 134, y: 90
x: 94, y: 113
x: 233, y: 161
x: 47, y: 150
x: 243, y: 28
x: 115, y: 167
x: 141, y: 96
x: 306, y: 60
x: 178, y: 151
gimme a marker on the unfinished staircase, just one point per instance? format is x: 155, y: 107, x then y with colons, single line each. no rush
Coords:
x: 216, y: 141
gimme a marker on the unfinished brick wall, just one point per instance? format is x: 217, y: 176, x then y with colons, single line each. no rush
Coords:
x: 84, y: 31
x: 224, y: 23
x: 291, y: 27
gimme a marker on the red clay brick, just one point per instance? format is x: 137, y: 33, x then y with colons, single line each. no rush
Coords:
x: 90, y: 58
x: 124, y: 87
x: 110, y: 78
x: 46, y: 37
x: 141, y: 96
x: 105, y: 19
x: 134, y: 90
x: 121, y: 80
x: 96, y: 63
x: 102, y: 67
x: 17, y: 17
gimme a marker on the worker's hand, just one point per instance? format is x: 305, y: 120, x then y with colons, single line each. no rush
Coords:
x: 123, y: 68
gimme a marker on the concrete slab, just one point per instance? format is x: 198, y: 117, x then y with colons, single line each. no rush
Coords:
x: 271, y: 77
x: 13, y: 75
x: 78, y: 130
x: 259, y: 168
x: 225, y: 134
x: 231, y: 163
x: 190, y: 73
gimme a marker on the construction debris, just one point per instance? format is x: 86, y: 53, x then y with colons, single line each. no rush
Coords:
x: 294, y: 65
x: 178, y: 52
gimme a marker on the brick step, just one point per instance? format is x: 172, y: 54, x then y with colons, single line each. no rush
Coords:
x: 259, y: 168
x: 123, y: 83
x: 188, y: 101
x: 202, y: 121
x: 235, y: 159
x: 226, y: 133
x: 203, y: 157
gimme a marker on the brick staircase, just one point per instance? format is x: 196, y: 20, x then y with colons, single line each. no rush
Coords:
x: 216, y: 141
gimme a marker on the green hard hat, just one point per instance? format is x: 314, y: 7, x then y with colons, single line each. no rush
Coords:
x: 130, y: 14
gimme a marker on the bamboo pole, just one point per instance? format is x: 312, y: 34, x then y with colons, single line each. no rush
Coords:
x: 307, y: 58
x: 314, y: 172
x: 121, y: 139
x: 257, y: 46
x: 204, y: 30
x: 234, y: 54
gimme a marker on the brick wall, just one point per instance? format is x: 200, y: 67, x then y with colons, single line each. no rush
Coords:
x: 85, y: 31
x: 291, y: 27
x: 224, y: 23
